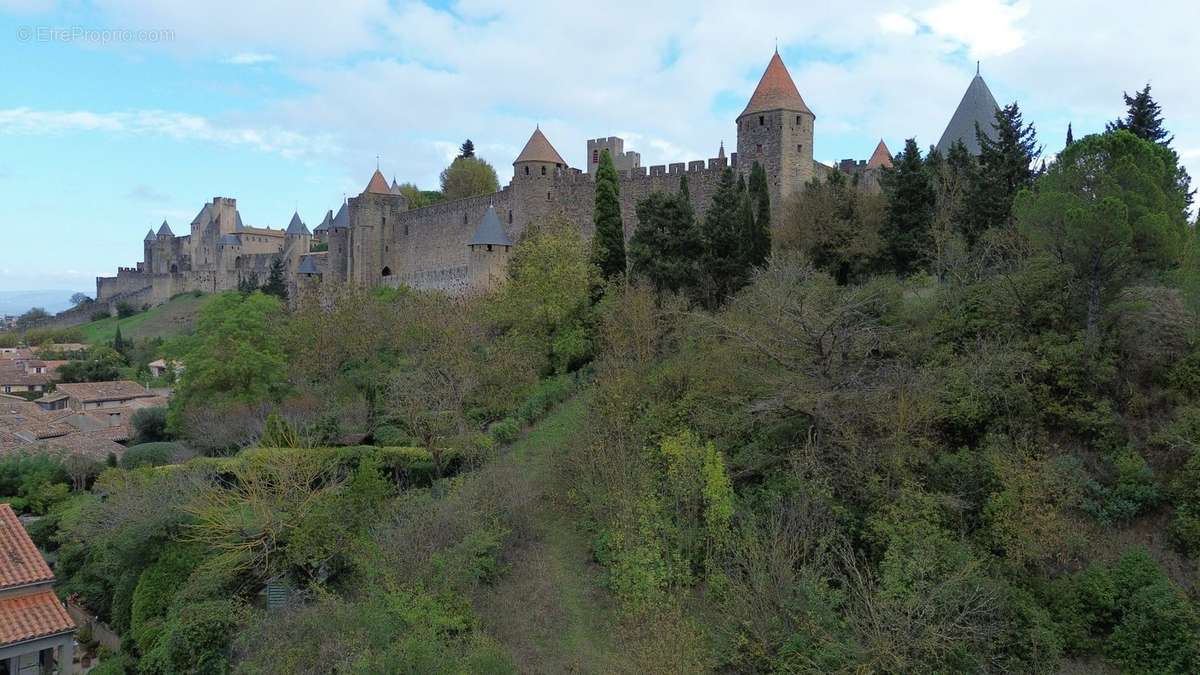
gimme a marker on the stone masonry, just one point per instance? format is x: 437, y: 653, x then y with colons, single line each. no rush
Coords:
x: 377, y: 240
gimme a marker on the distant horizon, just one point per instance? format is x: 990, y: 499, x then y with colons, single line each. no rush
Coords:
x: 11, y: 303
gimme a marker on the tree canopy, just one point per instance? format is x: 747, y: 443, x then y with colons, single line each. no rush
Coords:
x: 467, y: 177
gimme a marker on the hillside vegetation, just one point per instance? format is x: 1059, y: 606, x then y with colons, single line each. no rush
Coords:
x: 171, y: 319
x: 953, y: 427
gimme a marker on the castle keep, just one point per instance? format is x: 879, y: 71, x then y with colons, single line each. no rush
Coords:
x: 376, y: 239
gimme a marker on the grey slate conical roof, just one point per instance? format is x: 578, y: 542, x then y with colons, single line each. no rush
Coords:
x: 490, y: 231
x: 237, y: 223
x: 165, y: 229
x: 297, y: 226
x: 307, y: 266
x: 977, y: 106
x: 149, y: 235
x: 324, y: 226
x: 342, y: 220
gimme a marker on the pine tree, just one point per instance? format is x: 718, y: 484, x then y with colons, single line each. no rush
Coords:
x: 276, y: 283
x: 1143, y: 118
x: 722, y: 268
x: 684, y: 190
x: 759, y: 237
x: 1070, y: 136
x: 467, y: 150
x: 608, y: 244
x: 1005, y: 168
x: 906, y: 227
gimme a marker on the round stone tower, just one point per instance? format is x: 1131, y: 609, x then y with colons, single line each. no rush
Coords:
x: 776, y: 130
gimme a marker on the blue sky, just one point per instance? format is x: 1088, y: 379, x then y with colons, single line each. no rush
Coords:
x: 285, y: 105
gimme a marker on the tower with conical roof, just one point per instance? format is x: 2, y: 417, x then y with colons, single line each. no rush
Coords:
x: 776, y: 130
x: 977, y: 107
x: 538, y: 158
x: 488, y: 251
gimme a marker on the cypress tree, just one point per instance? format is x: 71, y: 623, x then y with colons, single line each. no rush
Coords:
x: 906, y: 227
x: 1005, y: 168
x: 759, y: 239
x: 276, y: 284
x: 666, y: 245
x: 118, y: 343
x: 1070, y: 136
x: 608, y: 245
x: 684, y: 191
x: 723, y: 270
x: 467, y: 150
x: 1143, y: 118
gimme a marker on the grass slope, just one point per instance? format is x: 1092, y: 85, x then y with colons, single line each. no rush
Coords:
x: 175, y: 317
x: 550, y: 609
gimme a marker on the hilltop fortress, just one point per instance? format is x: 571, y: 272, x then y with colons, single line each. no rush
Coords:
x: 376, y: 239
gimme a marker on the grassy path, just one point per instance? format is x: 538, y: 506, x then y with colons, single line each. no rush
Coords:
x: 550, y: 609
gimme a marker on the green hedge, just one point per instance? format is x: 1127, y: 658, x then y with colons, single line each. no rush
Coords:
x: 150, y: 454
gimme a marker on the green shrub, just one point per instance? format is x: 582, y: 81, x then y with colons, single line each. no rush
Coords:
x: 100, y: 316
x: 150, y: 424
x: 391, y: 435
x: 545, y: 395
x: 125, y: 310
x: 506, y: 430
x: 151, y: 454
x: 1132, y: 612
x: 117, y: 664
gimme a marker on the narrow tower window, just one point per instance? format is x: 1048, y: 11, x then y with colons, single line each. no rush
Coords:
x: 761, y: 120
x: 543, y: 171
x: 797, y: 119
x: 526, y: 171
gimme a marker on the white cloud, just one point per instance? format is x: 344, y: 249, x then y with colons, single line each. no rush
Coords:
x: 173, y: 125
x: 986, y: 27
x: 250, y: 59
x: 893, y: 22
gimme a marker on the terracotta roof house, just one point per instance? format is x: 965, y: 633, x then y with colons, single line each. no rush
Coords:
x: 92, y: 395
x: 36, y: 633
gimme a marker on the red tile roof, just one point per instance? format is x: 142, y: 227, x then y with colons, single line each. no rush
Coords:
x: 881, y: 158
x: 32, y: 616
x: 775, y: 91
x: 20, y: 561
x: 120, y: 390
x: 538, y: 149
x: 378, y: 184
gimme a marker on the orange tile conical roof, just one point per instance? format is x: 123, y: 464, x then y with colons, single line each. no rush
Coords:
x: 378, y: 184
x: 538, y: 149
x: 881, y: 158
x: 775, y: 91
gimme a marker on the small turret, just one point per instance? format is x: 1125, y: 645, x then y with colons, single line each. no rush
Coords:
x: 489, y: 250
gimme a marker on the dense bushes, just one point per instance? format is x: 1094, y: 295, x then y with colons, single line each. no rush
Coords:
x: 152, y: 454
